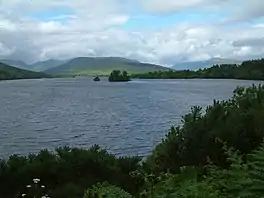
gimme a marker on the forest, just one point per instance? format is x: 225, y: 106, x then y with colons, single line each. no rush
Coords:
x: 216, y: 152
x: 248, y: 70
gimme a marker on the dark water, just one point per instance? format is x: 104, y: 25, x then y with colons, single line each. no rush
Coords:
x: 126, y: 118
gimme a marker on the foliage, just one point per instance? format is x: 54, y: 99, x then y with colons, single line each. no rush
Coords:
x: 117, y: 76
x: 68, y: 172
x: 242, y: 179
x: 10, y: 73
x: 238, y: 122
x: 251, y: 70
x: 256, y: 164
x: 214, y: 183
x: 107, y: 191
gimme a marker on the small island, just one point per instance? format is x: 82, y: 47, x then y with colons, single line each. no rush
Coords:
x: 118, y: 76
x: 97, y: 78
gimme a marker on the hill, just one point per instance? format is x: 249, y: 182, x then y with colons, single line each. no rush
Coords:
x: 103, y: 66
x: 45, y: 65
x: 15, y: 63
x: 204, y: 64
x: 37, y: 66
x: 10, y: 73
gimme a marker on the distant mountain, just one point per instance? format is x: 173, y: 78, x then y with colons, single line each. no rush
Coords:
x: 38, y: 66
x: 45, y: 65
x: 102, y: 66
x: 204, y: 64
x: 15, y: 63
x: 10, y: 73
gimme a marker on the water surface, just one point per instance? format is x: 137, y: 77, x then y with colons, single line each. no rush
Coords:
x: 126, y: 118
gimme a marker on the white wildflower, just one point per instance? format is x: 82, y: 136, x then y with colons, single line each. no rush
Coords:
x: 36, y: 181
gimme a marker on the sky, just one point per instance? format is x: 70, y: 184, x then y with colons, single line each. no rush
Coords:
x: 164, y: 32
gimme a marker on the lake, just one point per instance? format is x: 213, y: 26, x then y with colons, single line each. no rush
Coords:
x: 125, y: 118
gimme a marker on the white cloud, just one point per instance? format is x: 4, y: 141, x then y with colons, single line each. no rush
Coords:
x: 5, y: 24
x: 4, y: 51
x: 51, y: 27
x: 95, y: 29
x: 162, y: 6
x: 237, y: 9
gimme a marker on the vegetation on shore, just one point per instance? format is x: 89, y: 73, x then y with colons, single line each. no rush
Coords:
x: 10, y: 73
x: 248, y: 70
x: 215, y: 154
x: 118, y: 76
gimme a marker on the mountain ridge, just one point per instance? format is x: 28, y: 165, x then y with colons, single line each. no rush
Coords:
x: 47, y: 64
x: 102, y: 66
x: 37, y: 66
x: 15, y: 63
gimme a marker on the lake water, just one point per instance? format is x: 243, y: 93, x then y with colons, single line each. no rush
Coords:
x: 125, y: 118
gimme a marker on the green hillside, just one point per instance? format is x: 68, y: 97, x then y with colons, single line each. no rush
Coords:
x: 10, y: 73
x: 102, y: 66
x: 45, y: 65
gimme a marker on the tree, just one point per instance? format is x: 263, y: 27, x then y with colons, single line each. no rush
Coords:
x: 238, y: 122
x: 117, y: 76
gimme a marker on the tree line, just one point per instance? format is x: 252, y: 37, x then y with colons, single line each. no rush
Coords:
x: 248, y: 70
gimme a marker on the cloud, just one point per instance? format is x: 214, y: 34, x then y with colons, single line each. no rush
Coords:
x: 251, y: 9
x: 234, y: 9
x: 20, y: 31
x: 250, y: 42
x: 7, y: 25
x: 170, y: 5
x: 4, y: 51
x: 93, y: 28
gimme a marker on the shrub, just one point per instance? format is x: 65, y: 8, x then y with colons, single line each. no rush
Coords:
x: 107, y: 191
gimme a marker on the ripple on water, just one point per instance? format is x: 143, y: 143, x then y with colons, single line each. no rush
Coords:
x: 125, y: 118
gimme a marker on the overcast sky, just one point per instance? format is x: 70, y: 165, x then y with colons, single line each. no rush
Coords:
x: 157, y: 31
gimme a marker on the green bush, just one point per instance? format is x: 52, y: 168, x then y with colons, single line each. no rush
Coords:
x: 107, y: 191
x: 238, y: 122
x: 68, y: 170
